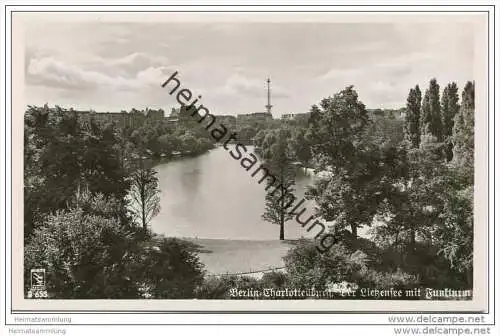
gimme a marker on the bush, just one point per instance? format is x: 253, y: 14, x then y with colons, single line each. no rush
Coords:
x: 220, y: 288
x: 274, y: 280
x: 85, y: 256
x: 307, y: 268
x: 387, y: 280
x: 89, y: 254
x: 169, y: 269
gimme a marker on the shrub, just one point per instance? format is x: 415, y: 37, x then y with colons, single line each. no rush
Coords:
x: 220, y: 287
x: 85, y: 256
x: 307, y: 267
x: 387, y: 280
x: 274, y: 280
x: 340, y: 265
x: 169, y: 269
x: 93, y: 256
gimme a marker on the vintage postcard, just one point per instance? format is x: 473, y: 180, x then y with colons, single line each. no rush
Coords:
x: 250, y: 162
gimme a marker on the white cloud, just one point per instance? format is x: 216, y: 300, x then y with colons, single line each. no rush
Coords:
x: 51, y: 72
x: 48, y: 71
x: 133, y: 63
x: 120, y: 65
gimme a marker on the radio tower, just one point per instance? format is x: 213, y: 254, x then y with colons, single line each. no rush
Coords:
x: 268, y: 106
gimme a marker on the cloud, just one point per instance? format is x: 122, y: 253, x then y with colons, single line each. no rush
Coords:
x: 120, y: 65
x: 49, y: 71
x: 131, y: 64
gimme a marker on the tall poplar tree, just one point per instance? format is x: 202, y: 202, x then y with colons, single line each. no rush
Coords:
x: 463, y: 131
x: 412, y: 120
x: 431, y: 112
x: 425, y: 115
x: 449, y: 109
x: 419, y: 96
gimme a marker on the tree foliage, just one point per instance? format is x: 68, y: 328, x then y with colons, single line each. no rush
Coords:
x: 336, y: 129
x: 144, y: 196
x: 338, y: 133
x: 63, y: 155
x: 449, y: 109
x: 170, y: 269
x: 278, y: 156
x: 463, y: 131
x: 301, y: 146
x: 410, y: 180
x: 85, y: 255
x: 431, y: 120
x: 412, y: 119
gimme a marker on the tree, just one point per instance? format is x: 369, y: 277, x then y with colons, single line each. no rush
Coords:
x: 426, y: 218
x: 301, y: 146
x: 144, y: 195
x: 278, y: 158
x: 355, y: 266
x: 385, y: 132
x: 259, y: 138
x: 53, y: 152
x: 64, y: 153
x: 277, y: 207
x: 188, y: 142
x: 455, y: 237
x: 86, y: 256
x: 463, y: 131
x: 412, y: 194
x: 102, y: 165
x: 337, y: 131
x: 166, y: 143
x: 89, y: 254
x: 431, y: 112
x: 169, y: 268
x: 418, y: 96
x: 412, y: 119
x: 351, y: 196
x: 308, y: 268
x: 449, y: 109
x: 425, y: 115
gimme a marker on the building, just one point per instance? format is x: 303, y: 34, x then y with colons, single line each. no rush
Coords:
x: 289, y: 116
x: 155, y: 114
x: 123, y: 119
x: 297, y: 117
x: 388, y: 113
x: 260, y: 116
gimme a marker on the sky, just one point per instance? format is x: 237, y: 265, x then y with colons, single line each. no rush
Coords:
x: 114, y: 66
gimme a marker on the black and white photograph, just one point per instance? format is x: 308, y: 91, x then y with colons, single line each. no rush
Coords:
x: 252, y: 159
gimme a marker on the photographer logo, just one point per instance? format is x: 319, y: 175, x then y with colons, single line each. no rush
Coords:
x: 38, y: 289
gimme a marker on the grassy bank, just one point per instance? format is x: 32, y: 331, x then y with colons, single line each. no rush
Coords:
x: 235, y: 256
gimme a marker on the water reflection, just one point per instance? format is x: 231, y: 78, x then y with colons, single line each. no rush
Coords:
x: 212, y: 196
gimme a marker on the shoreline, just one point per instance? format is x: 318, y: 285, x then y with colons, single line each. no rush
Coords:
x: 232, y: 256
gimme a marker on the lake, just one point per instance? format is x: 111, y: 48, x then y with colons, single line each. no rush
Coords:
x: 213, y: 197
